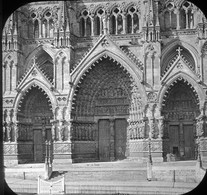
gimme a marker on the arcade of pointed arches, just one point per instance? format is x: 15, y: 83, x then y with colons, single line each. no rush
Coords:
x: 104, y: 90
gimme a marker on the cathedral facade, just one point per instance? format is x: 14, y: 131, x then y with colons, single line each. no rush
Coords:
x: 100, y: 80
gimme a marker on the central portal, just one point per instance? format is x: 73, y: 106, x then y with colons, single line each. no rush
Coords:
x: 105, y: 99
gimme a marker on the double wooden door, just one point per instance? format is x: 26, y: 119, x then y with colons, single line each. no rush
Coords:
x: 39, y: 144
x: 112, y: 141
x: 181, y: 141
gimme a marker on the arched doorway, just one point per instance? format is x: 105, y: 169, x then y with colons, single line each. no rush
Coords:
x: 106, y: 97
x: 34, y: 126
x: 180, y: 109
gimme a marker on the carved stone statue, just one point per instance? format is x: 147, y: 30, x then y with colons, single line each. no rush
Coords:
x: 161, y: 127
x: 199, y: 127
x: 16, y: 131
x: 43, y: 132
x: 53, y: 132
x: 61, y: 129
x: 9, y: 129
x: 4, y: 133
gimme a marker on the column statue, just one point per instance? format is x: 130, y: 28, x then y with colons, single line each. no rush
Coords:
x: 161, y: 126
x: 9, y: 132
x: 53, y: 131
x: 61, y: 129
x: 152, y: 128
x: 44, y: 132
x: 4, y: 132
x: 16, y: 130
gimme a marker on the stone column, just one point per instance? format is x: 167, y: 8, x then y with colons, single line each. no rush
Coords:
x: 186, y: 13
x: 40, y: 29
x: 112, y: 137
x: 92, y: 26
x: 177, y: 12
x: 124, y: 23
x: 105, y: 28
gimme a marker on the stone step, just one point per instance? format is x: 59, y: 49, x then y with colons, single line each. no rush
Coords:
x: 102, y: 175
x: 99, y: 165
x: 85, y: 187
x: 176, y: 164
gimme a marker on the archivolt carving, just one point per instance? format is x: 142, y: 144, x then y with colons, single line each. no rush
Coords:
x: 106, y: 89
x: 180, y: 101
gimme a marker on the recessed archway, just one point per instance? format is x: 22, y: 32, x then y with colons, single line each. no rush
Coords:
x: 180, y: 109
x: 34, y: 128
x: 105, y: 98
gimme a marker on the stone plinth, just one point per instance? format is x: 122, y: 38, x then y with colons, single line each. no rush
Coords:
x: 10, y: 154
x: 62, y: 153
x: 139, y: 150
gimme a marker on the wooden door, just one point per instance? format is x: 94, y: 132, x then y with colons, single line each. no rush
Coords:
x: 104, y: 140
x: 174, y: 139
x: 120, y: 138
x: 38, y: 146
x: 189, y: 141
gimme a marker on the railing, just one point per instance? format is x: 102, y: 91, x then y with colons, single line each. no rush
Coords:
x: 51, y: 187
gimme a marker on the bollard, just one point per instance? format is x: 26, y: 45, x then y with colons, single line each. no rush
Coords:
x: 173, y: 176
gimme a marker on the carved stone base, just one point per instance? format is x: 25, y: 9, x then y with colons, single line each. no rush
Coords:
x: 139, y: 150
x: 62, y: 154
x: 203, y: 151
x: 10, y: 154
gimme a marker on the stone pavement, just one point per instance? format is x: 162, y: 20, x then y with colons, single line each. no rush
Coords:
x: 102, y: 178
x: 99, y: 187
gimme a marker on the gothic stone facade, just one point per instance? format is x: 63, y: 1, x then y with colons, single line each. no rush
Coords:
x: 104, y: 81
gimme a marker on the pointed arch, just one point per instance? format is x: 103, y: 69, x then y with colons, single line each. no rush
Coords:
x: 137, y: 76
x: 197, y: 89
x: 38, y: 51
x: 166, y: 50
x: 27, y: 86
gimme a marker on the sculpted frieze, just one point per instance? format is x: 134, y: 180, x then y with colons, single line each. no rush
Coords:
x: 180, y: 115
x: 111, y: 110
